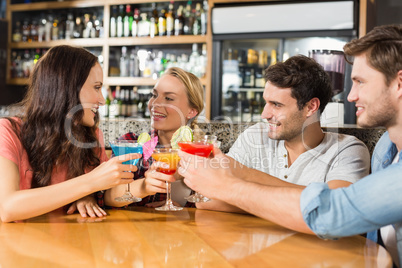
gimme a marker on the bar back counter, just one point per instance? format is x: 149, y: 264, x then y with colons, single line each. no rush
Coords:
x: 226, y: 133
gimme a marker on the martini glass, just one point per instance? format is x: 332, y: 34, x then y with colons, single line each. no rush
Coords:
x: 122, y: 147
x: 202, y: 146
x: 168, y: 156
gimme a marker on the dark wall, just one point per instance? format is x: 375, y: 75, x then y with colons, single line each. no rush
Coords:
x: 389, y: 12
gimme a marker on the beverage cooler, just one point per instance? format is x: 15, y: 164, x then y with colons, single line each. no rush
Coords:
x: 249, y: 38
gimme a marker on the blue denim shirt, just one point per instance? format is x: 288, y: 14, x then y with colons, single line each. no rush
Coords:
x: 365, y: 206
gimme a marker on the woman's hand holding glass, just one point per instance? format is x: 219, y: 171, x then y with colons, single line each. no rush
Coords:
x: 154, y: 181
x: 113, y: 172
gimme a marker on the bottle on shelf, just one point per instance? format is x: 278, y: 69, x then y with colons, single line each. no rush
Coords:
x: 124, y: 62
x: 26, y: 31
x: 179, y: 21
x: 194, y: 61
x: 55, y: 29
x: 197, y: 19
x: 203, y: 60
x: 17, y: 36
x: 170, y: 17
x: 188, y: 19
x: 79, y: 27
x: 34, y: 31
x: 143, y: 25
x: 134, y: 70
x: 124, y: 103
x: 119, y: 22
x: 113, y: 22
x: 128, y: 22
x: 162, y: 23
x: 114, y: 108
x: 134, y: 102
x: 154, y: 18
x: 70, y: 26
x: 204, y: 16
x: 136, y: 21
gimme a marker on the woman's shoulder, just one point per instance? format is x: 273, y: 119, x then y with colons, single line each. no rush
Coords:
x: 8, y: 124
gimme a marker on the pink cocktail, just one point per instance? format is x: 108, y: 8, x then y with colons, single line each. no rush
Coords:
x: 203, y: 147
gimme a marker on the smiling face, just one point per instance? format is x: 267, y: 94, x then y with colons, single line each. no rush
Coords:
x: 91, y: 95
x: 373, y: 98
x: 282, y: 113
x: 169, y: 105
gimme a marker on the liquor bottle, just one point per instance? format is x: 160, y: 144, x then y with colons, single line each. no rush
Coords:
x: 123, y: 100
x: 62, y: 27
x: 36, y: 56
x: 42, y: 28
x: 158, y: 65
x: 107, y: 102
x: 113, y: 22
x: 154, y: 18
x: 34, y: 31
x: 128, y: 22
x: 48, y: 28
x: 79, y: 27
x: 143, y: 25
x: 162, y: 23
x: 124, y: 62
x: 114, y: 109
x: 249, y: 77
x: 179, y: 22
x: 204, y: 16
x: 194, y: 61
x: 17, y: 36
x: 136, y: 20
x: 26, y: 31
x: 141, y: 106
x: 170, y: 20
x: 119, y: 22
x: 134, y: 102
x: 88, y: 25
x: 55, y: 29
x: 98, y: 25
x: 147, y: 113
x: 188, y: 19
x: 197, y: 19
x: 70, y: 26
x: 134, y: 70
x: 255, y: 107
x: 203, y: 60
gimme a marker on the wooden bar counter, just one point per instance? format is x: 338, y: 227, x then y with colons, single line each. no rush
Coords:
x: 143, y: 237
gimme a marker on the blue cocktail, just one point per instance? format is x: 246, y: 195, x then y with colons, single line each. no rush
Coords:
x: 122, y: 147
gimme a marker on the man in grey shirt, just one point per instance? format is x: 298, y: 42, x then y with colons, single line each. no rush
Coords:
x: 292, y: 149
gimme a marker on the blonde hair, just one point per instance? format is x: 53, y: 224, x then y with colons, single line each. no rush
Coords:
x: 194, y: 90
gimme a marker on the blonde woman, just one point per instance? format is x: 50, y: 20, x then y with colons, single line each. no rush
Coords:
x: 177, y: 100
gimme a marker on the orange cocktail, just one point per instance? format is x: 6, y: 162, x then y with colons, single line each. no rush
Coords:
x: 168, y: 156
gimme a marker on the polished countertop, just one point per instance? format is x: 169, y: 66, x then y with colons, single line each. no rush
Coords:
x: 143, y: 237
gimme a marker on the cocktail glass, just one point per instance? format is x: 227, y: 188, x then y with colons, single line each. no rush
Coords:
x: 168, y: 156
x: 202, y: 146
x: 122, y: 147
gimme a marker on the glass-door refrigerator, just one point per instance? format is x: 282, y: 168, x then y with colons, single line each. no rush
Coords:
x: 249, y: 38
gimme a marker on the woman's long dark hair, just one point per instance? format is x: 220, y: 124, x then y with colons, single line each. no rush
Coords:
x: 51, y: 100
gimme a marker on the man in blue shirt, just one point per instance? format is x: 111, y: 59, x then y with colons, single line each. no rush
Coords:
x: 367, y: 205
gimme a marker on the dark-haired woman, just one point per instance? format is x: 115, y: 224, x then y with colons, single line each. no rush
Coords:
x: 52, y: 155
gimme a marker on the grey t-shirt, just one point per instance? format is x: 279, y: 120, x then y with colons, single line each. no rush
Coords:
x: 337, y: 157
